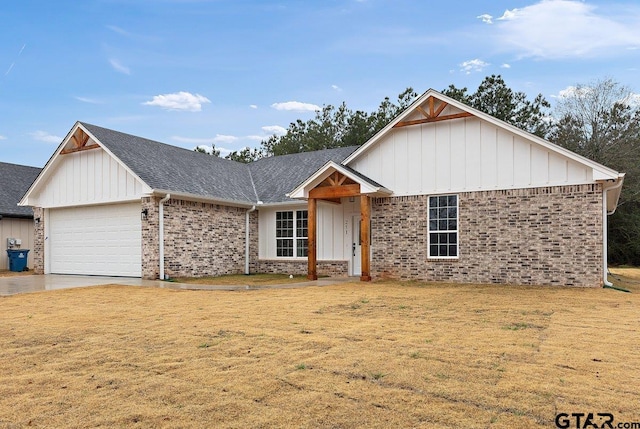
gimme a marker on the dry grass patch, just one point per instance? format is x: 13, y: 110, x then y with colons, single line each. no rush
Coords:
x: 345, y: 356
x: 242, y: 279
x: 7, y: 273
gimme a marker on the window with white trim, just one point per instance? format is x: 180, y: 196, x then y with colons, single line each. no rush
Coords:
x: 443, y: 226
x: 292, y: 233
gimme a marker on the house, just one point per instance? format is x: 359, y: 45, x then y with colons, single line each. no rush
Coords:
x: 15, y: 222
x: 442, y: 193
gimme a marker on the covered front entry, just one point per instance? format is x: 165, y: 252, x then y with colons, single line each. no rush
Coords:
x: 100, y: 240
x: 332, y: 183
x: 333, y: 188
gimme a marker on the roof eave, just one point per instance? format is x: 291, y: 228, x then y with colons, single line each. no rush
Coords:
x: 203, y: 198
x: 15, y: 216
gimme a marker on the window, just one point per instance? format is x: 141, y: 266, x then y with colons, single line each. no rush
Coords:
x: 443, y: 226
x: 292, y: 233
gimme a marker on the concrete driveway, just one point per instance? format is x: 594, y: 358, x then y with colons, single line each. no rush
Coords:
x: 36, y: 283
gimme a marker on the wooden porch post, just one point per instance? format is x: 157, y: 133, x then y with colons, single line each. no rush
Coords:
x: 365, y: 227
x: 312, y: 273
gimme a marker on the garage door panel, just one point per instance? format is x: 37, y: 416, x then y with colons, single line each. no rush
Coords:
x: 96, y: 240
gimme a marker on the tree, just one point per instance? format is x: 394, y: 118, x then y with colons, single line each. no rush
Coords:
x: 601, y: 122
x: 336, y: 127
x: 208, y: 150
x: 498, y: 100
x: 245, y: 155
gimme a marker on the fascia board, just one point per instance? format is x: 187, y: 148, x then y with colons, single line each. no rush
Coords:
x: 55, y: 159
x: 44, y: 173
x: 365, y: 146
x: 323, y: 172
x: 202, y: 198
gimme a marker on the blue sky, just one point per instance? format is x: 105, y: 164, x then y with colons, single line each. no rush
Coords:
x: 232, y: 72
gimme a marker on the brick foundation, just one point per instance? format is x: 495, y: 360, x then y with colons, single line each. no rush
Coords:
x: 536, y: 236
x: 325, y: 268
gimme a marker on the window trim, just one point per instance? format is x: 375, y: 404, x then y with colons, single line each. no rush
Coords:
x: 456, y: 231
x: 294, y: 237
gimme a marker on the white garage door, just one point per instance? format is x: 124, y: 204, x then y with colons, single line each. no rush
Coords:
x: 96, y: 240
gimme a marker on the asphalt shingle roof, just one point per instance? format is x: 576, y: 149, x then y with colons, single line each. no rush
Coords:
x: 15, y: 180
x: 277, y: 175
x: 170, y: 168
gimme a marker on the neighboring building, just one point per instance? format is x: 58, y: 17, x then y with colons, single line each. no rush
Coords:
x: 15, y: 221
x: 443, y: 193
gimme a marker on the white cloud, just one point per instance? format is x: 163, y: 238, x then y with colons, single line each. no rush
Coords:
x: 475, y: 65
x: 118, y: 30
x: 275, y: 129
x: 505, y: 66
x: 88, y: 100
x: 552, y: 29
x: 336, y: 87
x: 486, y: 18
x: 253, y: 106
x: 296, y: 106
x: 199, y: 141
x: 119, y: 67
x: 219, y: 138
x: 3, y: 138
x: 44, y: 136
x: 14, y: 63
x: 572, y: 91
x: 179, y: 101
x: 9, y: 69
x: 632, y: 100
x: 509, y: 14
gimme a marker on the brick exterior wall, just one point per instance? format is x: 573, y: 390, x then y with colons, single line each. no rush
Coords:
x: 201, y: 239
x: 150, y: 244
x: 537, y: 236
x: 38, y: 241
x: 324, y: 268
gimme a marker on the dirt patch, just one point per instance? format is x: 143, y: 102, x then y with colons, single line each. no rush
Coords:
x: 345, y: 356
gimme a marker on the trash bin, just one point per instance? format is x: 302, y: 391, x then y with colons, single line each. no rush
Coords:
x: 17, y: 259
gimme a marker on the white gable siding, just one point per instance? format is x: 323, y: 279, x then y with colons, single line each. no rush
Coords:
x: 88, y: 177
x: 464, y: 155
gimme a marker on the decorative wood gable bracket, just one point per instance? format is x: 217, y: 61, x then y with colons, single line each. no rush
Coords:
x: 334, y: 187
x: 433, y: 115
x: 80, y: 140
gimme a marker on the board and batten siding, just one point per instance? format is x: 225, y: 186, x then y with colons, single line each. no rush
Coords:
x: 333, y: 234
x: 467, y: 154
x: 88, y: 177
x: 16, y: 228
